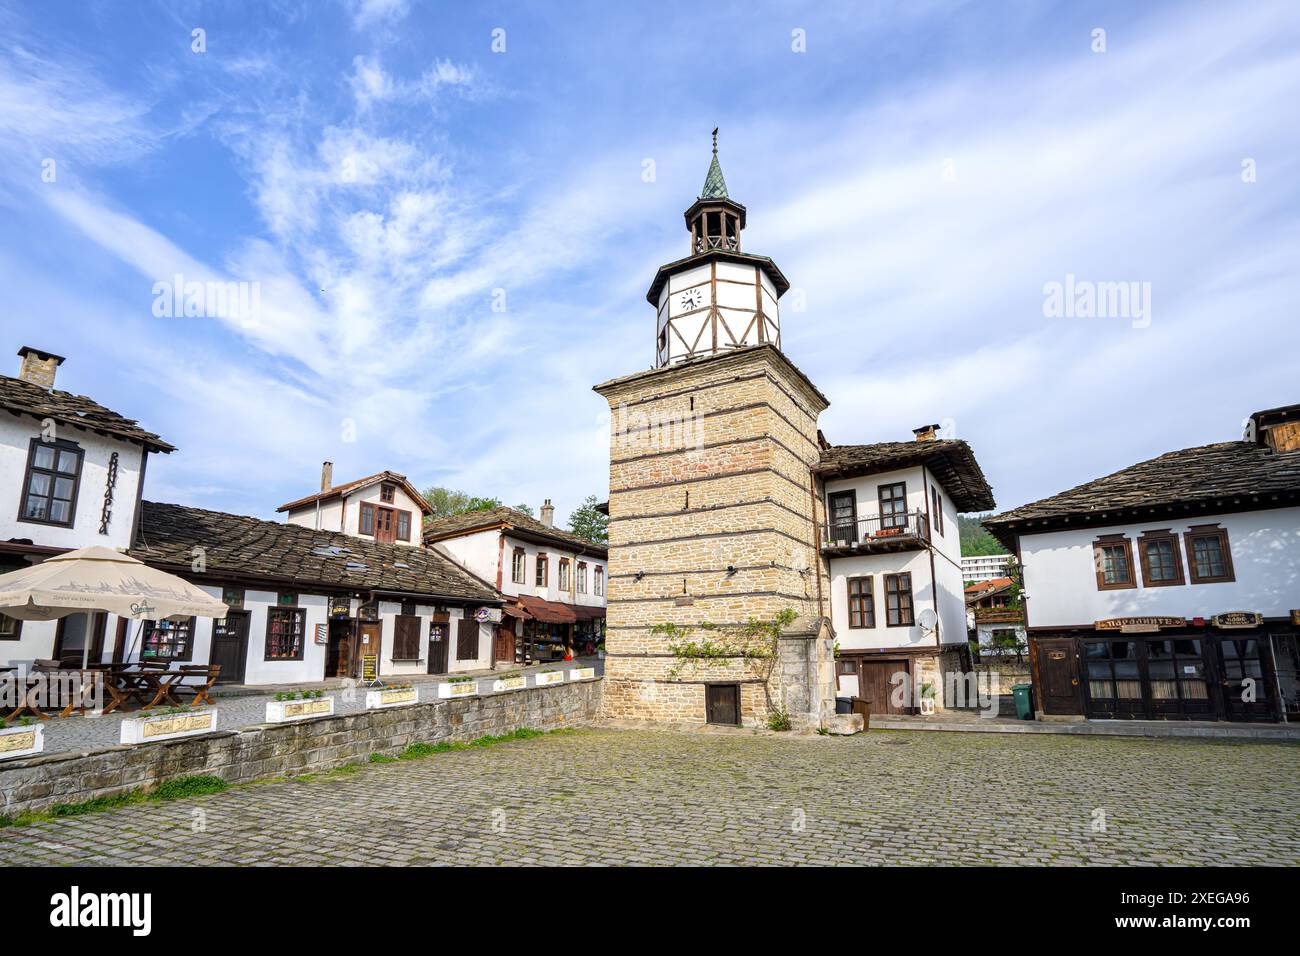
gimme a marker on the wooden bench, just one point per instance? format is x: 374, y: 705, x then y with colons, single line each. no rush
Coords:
x: 197, y: 680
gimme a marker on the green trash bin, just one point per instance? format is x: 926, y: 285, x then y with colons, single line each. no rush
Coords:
x: 1024, y: 705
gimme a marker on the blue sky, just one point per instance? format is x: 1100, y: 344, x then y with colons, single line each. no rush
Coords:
x: 919, y: 173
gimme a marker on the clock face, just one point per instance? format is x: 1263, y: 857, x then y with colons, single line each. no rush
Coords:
x: 691, y: 300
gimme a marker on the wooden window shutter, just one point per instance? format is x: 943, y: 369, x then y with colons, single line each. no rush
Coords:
x: 467, y: 640
x: 406, y: 639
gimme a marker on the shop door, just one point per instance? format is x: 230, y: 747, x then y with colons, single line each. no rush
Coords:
x: 722, y: 704
x: 370, y: 642
x: 339, y: 654
x: 230, y: 646
x: 438, y: 645
x: 882, y: 687
x: 1058, y: 675
x: 504, y: 646
x: 1246, y: 679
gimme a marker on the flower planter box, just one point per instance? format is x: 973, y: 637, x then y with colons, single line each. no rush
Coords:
x: 461, y: 688
x: 392, y: 697
x: 518, y: 682
x: 21, y: 741
x: 145, y: 730
x: 548, y: 677
x: 582, y: 673
x: 927, y: 706
x: 285, y: 711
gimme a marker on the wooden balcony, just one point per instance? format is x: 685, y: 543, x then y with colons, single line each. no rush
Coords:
x: 877, y: 535
x: 999, y: 615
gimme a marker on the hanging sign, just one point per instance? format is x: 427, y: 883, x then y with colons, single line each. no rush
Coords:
x: 1233, y: 620
x: 1139, y: 625
x: 340, y: 607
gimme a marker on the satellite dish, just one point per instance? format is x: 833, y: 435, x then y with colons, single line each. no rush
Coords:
x: 928, y: 619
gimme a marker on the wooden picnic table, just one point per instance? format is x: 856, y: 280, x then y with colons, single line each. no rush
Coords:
x: 147, y: 683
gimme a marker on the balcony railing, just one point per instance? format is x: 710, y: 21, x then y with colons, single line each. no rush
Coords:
x: 999, y: 615
x: 878, y: 533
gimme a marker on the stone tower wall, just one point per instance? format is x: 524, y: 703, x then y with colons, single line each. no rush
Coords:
x: 709, y: 469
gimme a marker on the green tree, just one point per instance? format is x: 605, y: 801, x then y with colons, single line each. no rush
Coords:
x: 587, y: 522
x: 447, y: 501
x: 975, y: 539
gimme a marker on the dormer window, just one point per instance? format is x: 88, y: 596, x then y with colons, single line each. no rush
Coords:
x: 50, y: 485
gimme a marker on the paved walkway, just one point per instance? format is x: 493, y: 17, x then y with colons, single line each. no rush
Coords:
x: 661, y: 797
x: 958, y: 721
x: 247, y: 706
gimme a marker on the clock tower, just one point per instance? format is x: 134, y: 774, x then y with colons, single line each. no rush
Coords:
x: 718, y: 297
x: 712, y: 503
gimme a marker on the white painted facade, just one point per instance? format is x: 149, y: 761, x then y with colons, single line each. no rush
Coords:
x: 36, y: 638
x: 943, y: 593
x: 737, y: 292
x: 16, y: 435
x: 483, y: 552
x: 1060, y: 581
x: 343, y: 512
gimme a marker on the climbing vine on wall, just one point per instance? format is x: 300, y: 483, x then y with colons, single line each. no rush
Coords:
x: 755, y: 640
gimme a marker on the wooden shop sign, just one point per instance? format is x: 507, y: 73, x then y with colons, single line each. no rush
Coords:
x: 1232, y: 620
x: 1139, y: 625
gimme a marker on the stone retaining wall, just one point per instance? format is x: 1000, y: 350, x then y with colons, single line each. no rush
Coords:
x: 269, y: 750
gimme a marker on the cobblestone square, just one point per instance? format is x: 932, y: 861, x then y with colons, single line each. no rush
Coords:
x: 661, y: 797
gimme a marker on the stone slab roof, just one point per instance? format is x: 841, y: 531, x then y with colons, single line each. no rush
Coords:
x: 470, y: 522
x: 950, y: 459
x: 23, y: 397
x: 351, y: 486
x: 252, y: 548
x: 1223, y: 477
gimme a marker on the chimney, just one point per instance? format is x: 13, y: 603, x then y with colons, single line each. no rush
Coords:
x: 926, y: 433
x: 548, y: 513
x: 38, y: 367
x: 326, y: 475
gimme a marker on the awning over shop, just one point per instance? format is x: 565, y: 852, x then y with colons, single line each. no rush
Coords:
x: 528, y: 608
x: 548, y: 612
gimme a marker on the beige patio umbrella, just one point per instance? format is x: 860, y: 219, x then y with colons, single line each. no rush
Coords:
x: 101, y: 579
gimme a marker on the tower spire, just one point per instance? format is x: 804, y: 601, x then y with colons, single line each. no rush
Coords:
x: 715, y: 187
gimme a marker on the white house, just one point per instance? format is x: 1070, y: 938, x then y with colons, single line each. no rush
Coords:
x: 1170, y: 589
x: 307, y: 604
x: 893, y: 550
x: 554, y: 581
x: 385, y: 508
x: 72, y: 471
